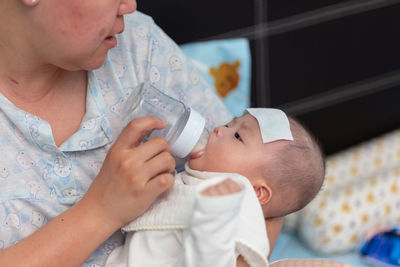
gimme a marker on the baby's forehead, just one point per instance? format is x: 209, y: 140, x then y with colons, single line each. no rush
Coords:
x: 273, y: 124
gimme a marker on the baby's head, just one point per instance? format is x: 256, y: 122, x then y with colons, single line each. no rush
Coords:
x: 281, y: 159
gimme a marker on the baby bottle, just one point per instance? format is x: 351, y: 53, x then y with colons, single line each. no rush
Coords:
x: 185, y: 131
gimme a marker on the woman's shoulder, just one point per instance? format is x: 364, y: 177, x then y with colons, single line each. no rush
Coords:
x: 138, y: 18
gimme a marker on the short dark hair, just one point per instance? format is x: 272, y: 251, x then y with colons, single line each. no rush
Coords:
x: 297, y: 170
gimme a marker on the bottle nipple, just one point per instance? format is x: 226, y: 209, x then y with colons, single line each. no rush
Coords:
x: 192, y: 132
x: 203, y: 140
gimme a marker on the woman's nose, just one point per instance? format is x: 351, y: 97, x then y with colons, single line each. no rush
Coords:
x: 127, y: 6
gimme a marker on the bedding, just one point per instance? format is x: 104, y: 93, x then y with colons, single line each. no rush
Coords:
x: 289, y: 246
x: 361, y: 193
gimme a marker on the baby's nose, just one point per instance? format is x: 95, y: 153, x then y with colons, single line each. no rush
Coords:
x: 218, y: 130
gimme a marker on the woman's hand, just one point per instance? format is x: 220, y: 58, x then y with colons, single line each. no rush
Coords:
x: 133, y: 174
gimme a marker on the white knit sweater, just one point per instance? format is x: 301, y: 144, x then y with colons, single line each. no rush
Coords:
x: 184, y: 228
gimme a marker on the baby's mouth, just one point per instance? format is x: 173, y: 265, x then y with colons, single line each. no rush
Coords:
x: 197, y: 154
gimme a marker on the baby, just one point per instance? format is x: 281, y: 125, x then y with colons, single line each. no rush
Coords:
x: 258, y: 166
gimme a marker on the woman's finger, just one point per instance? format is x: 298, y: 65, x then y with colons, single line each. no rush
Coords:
x: 159, y: 184
x: 152, y: 148
x: 162, y: 163
x: 148, y: 169
x: 137, y: 129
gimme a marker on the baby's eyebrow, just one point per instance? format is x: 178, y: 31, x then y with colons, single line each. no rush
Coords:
x: 233, y: 121
x: 246, y: 126
x: 243, y: 125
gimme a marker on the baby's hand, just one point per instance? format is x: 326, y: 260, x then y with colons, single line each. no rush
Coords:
x: 228, y: 186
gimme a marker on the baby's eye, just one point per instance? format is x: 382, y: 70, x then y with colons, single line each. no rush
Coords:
x: 237, y: 136
x: 226, y: 125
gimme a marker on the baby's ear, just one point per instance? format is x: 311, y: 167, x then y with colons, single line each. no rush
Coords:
x: 263, y: 192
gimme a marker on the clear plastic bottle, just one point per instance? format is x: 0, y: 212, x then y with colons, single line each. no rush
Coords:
x: 185, y: 131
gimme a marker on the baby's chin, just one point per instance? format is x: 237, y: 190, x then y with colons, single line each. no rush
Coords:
x: 193, y: 157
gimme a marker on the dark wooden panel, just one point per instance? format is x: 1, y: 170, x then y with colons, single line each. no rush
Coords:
x: 325, y: 56
x: 187, y: 21
x: 346, y: 124
x: 278, y: 9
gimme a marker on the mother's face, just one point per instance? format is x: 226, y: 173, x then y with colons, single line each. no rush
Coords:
x: 76, y: 34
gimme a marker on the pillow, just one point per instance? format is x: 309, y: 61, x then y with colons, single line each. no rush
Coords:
x: 226, y: 64
x: 361, y: 193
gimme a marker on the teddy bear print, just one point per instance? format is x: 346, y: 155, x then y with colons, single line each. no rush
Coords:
x: 24, y: 161
x: 33, y: 188
x: 89, y: 124
x: 62, y: 167
x: 37, y: 219
x: 226, y: 77
x: 12, y: 221
x: 175, y: 63
x: 3, y: 172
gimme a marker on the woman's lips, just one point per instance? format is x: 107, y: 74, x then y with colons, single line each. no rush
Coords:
x: 111, y: 41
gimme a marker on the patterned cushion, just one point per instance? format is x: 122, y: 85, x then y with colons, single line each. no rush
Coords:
x: 361, y: 193
x: 226, y: 64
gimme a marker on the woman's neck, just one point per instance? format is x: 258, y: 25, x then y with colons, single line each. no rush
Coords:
x: 21, y: 75
x: 59, y: 99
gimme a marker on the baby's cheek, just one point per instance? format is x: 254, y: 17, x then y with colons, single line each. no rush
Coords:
x: 203, y: 163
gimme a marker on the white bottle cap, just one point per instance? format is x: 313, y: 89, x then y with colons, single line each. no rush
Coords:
x: 190, y: 135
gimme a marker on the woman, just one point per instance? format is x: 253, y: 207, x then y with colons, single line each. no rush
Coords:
x: 72, y: 172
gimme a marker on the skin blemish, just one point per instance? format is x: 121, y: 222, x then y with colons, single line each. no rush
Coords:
x: 14, y: 81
